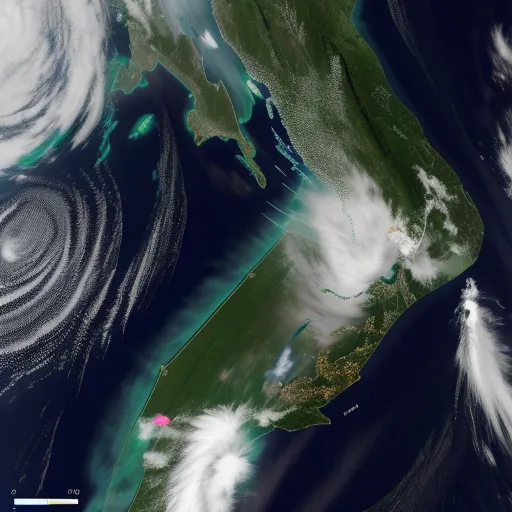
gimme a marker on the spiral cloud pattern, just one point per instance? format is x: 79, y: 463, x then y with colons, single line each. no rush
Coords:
x: 51, y: 72
x: 61, y: 291
x: 58, y: 251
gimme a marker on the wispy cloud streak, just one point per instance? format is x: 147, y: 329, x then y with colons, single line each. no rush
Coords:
x: 501, y: 56
x: 484, y: 364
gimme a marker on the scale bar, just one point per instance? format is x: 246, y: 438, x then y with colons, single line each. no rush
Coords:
x: 45, y: 501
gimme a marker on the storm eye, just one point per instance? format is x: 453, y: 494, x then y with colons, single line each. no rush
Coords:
x: 466, y: 313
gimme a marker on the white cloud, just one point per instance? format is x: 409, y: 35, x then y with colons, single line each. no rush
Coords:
x: 266, y: 417
x: 485, y: 364
x: 208, y: 40
x: 51, y: 72
x: 146, y: 429
x: 501, y: 54
x: 283, y: 365
x: 504, y: 148
x: 8, y: 250
x: 213, y: 461
x: 155, y: 460
x: 341, y: 247
x: 438, y: 197
x: 424, y: 268
x: 140, y: 11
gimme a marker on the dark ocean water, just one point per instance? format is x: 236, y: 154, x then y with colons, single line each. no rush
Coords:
x: 407, y: 389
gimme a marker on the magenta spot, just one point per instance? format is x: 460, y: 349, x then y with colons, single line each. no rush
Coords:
x: 161, y: 420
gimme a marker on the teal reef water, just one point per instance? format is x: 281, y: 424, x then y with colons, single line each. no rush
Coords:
x: 394, y: 274
x: 143, y: 126
x: 115, y: 65
x: 221, y: 63
x: 42, y: 151
x: 108, y: 126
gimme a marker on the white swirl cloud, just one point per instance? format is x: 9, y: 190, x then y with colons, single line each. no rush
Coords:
x: 342, y: 247
x: 51, y: 72
x: 214, y: 461
x: 58, y: 252
x: 61, y: 292
x: 206, y: 457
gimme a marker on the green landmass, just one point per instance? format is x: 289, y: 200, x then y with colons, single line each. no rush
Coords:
x: 213, y: 114
x: 340, y: 114
x: 335, y: 102
x: 227, y: 359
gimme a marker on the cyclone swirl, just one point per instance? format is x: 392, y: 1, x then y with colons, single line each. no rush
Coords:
x: 62, y: 293
x: 58, y: 253
x: 51, y: 73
